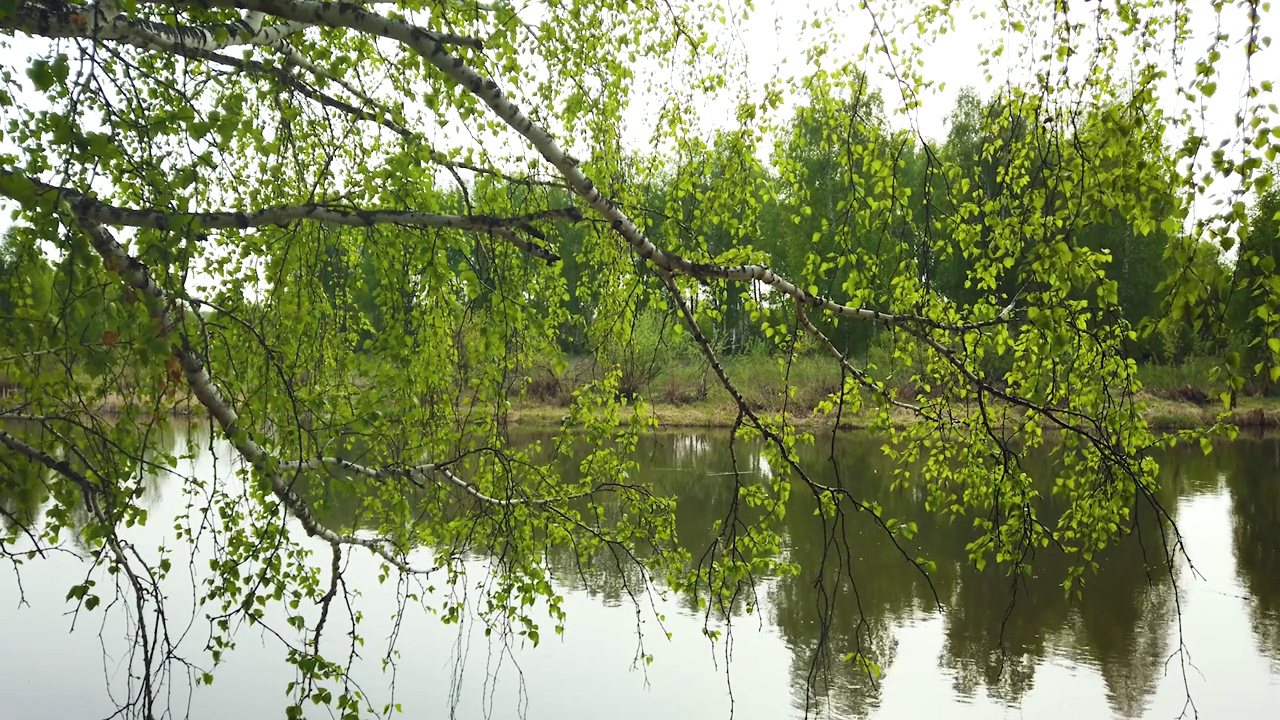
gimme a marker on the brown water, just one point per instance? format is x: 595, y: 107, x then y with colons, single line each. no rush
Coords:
x: 1113, y: 654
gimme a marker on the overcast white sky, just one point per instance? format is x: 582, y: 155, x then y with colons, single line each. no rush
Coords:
x: 773, y: 43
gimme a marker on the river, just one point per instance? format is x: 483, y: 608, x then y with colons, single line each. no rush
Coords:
x: 1144, y: 642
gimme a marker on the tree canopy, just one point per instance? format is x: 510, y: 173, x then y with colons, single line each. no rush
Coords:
x: 345, y: 233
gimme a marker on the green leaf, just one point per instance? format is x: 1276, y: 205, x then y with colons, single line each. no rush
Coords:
x: 78, y: 592
x: 41, y: 75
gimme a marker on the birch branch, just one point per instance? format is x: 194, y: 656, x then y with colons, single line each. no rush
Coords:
x: 860, y: 375
x: 96, y: 211
x: 422, y: 42
x: 53, y: 19
x: 295, y: 58
x: 158, y: 304
x: 284, y: 77
x: 416, y: 472
x: 102, y: 22
x: 36, y: 353
x: 1054, y: 415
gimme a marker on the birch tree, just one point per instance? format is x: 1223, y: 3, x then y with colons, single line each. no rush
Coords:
x: 192, y: 169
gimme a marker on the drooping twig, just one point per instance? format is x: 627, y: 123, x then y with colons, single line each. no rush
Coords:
x: 435, y: 52
x: 860, y: 375
x: 420, y: 472
x: 158, y: 304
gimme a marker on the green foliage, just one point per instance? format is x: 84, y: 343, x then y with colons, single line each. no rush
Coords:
x: 349, y: 245
x: 1256, y: 292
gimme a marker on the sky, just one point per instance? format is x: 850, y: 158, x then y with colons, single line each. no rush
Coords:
x: 772, y: 43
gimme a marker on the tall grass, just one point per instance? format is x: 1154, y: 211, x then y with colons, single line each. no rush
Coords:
x: 800, y: 384
x: 765, y: 382
x: 1187, y: 381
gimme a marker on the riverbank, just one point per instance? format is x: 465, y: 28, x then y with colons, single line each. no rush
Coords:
x: 687, y: 395
x: 1161, y: 414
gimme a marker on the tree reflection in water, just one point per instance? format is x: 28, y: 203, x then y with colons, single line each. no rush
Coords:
x: 997, y: 633
x: 998, y: 629
x: 1254, y: 482
x: 27, y: 490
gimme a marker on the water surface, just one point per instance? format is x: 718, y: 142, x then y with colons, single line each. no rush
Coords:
x: 1144, y: 641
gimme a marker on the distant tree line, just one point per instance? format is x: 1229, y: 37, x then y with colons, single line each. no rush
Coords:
x: 936, y: 186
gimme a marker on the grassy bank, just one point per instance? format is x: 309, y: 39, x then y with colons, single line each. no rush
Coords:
x: 1162, y: 414
x: 687, y: 394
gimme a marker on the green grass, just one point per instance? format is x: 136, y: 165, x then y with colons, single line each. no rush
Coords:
x: 1187, y: 382
x: 762, y: 380
x: 685, y: 392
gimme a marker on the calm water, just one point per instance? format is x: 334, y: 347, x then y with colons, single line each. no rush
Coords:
x: 1113, y: 654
